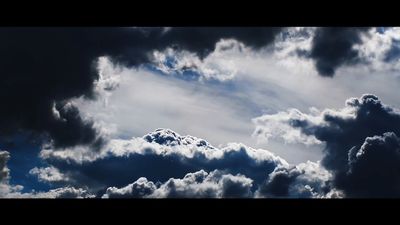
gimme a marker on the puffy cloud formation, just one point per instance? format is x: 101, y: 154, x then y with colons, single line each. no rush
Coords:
x: 306, y: 180
x: 361, y: 144
x: 199, y: 184
x: 158, y: 156
x: 10, y: 191
x: 48, y: 174
x: 166, y: 164
x: 278, y: 126
x: 65, y: 192
x: 373, y: 169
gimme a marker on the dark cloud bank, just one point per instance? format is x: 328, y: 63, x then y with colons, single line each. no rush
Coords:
x: 362, y: 146
x: 42, y: 68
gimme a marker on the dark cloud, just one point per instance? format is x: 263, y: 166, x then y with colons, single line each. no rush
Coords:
x: 332, y: 47
x: 363, y: 117
x: 42, y: 68
x: 200, y: 184
x: 306, y: 180
x: 374, y: 168
x: 46, y: 66
x: 202, y: 40
x: 364, y: 163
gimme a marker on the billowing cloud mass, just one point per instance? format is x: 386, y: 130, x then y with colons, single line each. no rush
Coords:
x: 48, y: 174
x: 54, y: 82
x: 374, y: 168
x: 200, y: 184
x: 158, y: 156
x: 361, y: 144
x: 334, y: 46
x: 43, y: 68
x: 166, y: 164
x: 306, y: 180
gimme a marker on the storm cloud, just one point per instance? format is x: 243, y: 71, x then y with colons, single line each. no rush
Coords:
x: 361, y: 145
x: 332, y: 47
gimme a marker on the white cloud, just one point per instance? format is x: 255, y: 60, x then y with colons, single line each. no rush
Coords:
x: 278, y: 126
x: 48, y: 174
x: 157, y: 156
x: 199, y: 184
x: 305, y: 180
x: 163, y: 142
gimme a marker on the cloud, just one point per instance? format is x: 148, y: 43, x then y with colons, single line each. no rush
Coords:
x: 201, y: 40
x: 218, y: 65
x: 48, y: 174
x: 42, y: 69
x: 305, y: 180
x: 4, y: 172
x: 15, y: 192
x: 199, y: 184
x: 351, y: 136
x: 278, y: 126
x: 158, y: 160
x: 332, y: 47
x: 65, y: 192
x: 373, y: 169
x: 158, y: 156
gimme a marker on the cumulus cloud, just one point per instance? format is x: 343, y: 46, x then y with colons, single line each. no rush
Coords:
x: 166, y: 164
x: 373, y: 169
x: 305, y: 180
x: 15, y: 192
x: 351, y: 136
x: 64, y: 192
x: 48, y: 174
x: 199, y: 184
x: 278, y: 126
x: 158, y: 156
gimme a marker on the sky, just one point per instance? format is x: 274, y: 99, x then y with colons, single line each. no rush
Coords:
x: 199, y: 112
